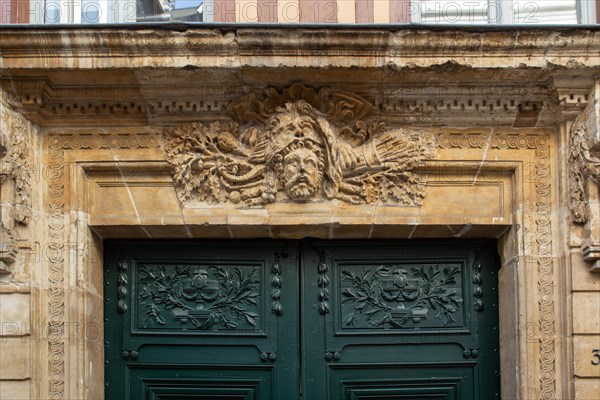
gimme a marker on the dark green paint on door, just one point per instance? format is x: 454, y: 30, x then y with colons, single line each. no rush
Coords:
x: 271, y: 319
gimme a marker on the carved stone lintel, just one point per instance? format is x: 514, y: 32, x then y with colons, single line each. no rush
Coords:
x: 298, y: 145
x: 591, y: 255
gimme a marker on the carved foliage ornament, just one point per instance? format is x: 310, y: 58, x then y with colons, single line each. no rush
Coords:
x: 15, y: 166
x: 204, y: 297
x: 15, y: 171
x: 393, y: 295
x: 584, y: 163
x: 298, y: 145
x: 584, y: 167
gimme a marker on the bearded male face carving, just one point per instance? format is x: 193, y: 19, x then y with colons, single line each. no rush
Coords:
x: 301, y: 146
x: 301, y: 176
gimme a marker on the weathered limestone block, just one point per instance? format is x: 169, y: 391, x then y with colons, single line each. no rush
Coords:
x: 586, y: 389
x: 15, y: 358
x: 15, y: 390
x: 583, y: 347
x: 586, y: 315
x: 15, y: 317
x: 581, y: 278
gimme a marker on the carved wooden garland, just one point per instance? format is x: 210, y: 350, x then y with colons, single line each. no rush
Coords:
x: 298, y: 145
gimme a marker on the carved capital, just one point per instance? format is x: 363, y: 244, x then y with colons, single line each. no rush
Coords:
x: 298, y: 145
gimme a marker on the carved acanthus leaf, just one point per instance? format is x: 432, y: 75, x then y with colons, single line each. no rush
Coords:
x: 584, y: 165
x: 298, y: 145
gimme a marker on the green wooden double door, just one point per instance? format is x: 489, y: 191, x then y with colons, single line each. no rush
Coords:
x: 310, y: 319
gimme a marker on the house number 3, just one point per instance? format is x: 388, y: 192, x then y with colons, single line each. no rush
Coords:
x: 596, y: 353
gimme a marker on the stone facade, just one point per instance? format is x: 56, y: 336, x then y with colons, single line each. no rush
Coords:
x: 290, y: 133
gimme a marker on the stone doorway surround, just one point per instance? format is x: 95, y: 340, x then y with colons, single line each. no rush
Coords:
x: 506, y: 130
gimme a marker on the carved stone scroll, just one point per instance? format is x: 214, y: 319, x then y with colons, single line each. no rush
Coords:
x: 298, y: 146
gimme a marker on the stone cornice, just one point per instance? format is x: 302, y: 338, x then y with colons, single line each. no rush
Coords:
x: 297, y: 47
x: 416, y: 76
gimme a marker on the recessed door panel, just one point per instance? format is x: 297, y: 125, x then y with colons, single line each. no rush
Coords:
x: 401, y: 382
x: 382, y: 316
x: 201, y: 319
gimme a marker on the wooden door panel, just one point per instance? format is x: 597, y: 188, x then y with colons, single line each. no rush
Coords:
x: 375, y: 307
x: 217, y: 312
x: 179, y: 382
x: 391, y: 382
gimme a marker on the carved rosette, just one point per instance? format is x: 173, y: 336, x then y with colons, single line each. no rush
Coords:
x: 298, y: 146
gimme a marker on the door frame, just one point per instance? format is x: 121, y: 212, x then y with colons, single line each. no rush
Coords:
x: 534, y: 328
